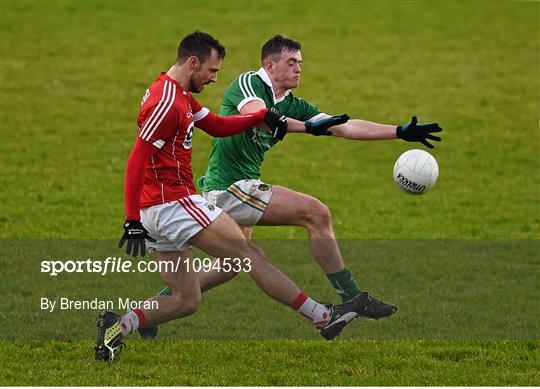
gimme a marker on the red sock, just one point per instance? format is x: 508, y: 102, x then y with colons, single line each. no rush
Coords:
x: 140, y: 316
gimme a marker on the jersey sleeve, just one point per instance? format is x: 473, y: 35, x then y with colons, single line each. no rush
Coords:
x: 248, y: 87
x: 134, y: 180
x: 222, y: 126
x: 305, y: 110
x: 160, y: 118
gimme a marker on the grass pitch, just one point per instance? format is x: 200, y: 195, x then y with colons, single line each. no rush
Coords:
x: 283, y: 363
x: 71, y: 79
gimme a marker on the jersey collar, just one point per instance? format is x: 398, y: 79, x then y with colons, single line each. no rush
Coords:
x: 264, y: 76
x: 164, y: 76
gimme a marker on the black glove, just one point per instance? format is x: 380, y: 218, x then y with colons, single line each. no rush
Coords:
x: 321, y: 127
x: 277, y: 122
x: 135, y: 234
x: 414, y: 132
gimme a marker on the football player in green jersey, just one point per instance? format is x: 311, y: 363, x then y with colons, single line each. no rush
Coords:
x: 232, y: 180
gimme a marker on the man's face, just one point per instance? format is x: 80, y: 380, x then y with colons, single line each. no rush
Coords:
x: 205, y: 73
x: 286, y: 71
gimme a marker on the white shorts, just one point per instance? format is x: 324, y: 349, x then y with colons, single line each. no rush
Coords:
x: 173, y: 224
x: 245, y: 200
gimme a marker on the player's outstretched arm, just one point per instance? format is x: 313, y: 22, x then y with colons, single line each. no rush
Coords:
x: 413, y: 131
x: 357, y: 129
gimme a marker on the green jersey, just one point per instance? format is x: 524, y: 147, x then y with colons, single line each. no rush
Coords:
x: 240, y: 156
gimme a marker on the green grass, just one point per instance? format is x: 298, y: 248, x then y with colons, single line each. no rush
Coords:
x: 287, y: 363
x: 72, y: 75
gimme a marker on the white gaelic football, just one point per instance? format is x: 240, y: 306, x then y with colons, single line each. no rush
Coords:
x: 416, y: 171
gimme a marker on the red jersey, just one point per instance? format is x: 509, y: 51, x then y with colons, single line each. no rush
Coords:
x: 166, y: 120
x: 159, y: 166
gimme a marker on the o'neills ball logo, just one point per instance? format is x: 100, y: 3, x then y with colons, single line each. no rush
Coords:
x: 409, y: 185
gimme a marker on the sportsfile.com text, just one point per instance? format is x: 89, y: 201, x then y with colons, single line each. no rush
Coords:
x: 120, y: 265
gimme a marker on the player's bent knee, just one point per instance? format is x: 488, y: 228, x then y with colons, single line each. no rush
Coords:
x: 317, y: 215
x: 256, y: 253
x: 243, y: 248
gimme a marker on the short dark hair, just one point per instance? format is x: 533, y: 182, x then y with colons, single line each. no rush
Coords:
x: 277, y: 44
x: 200, y: 45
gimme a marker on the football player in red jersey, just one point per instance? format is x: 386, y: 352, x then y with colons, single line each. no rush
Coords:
x: 163, y: 208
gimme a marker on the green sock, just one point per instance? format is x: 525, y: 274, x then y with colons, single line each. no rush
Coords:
x: 165, y: 292
x: 344, y: 284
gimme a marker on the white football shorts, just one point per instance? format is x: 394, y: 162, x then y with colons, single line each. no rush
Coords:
x: 245, y: 200
x: 173, y: 224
